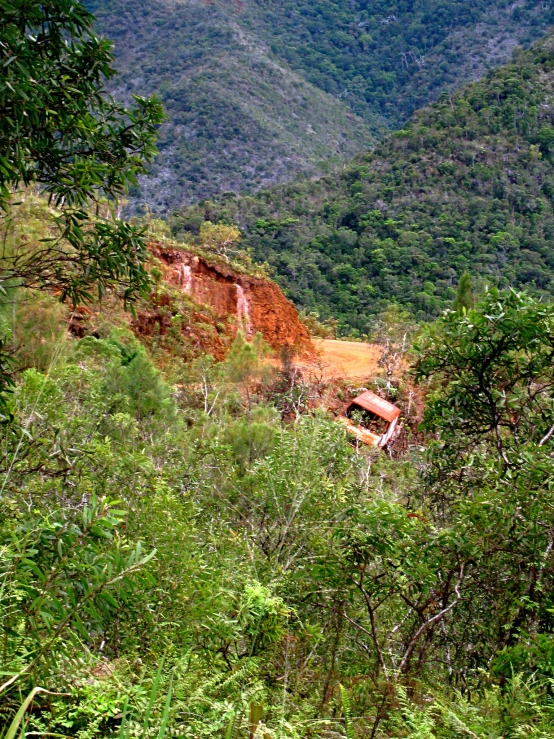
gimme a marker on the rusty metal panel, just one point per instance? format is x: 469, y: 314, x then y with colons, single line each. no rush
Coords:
x: 373, y: 403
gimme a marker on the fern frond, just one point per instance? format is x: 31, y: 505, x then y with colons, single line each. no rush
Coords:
x: 347, y: 713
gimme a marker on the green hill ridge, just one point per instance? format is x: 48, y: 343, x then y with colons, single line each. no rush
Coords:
x: 258, y: 93
x: 468, y: 184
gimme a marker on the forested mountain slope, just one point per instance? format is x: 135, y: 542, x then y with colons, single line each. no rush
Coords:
x: 468, y: 184
x: 257, y: 93
x: 238, y: 116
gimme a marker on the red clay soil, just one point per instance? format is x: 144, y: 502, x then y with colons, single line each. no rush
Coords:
x: 258, y: 304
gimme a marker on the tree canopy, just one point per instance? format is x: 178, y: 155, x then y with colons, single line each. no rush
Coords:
x: 60, y: 131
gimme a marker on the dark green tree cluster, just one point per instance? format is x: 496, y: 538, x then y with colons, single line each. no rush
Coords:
x: 466, y: 186
x: 464, y: 299
x: 393, y: 57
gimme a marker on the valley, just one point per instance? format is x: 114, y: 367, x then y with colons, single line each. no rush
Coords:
x: 257, y: 93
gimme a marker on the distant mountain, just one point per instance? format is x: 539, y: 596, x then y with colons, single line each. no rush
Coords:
x: 468, y: 184
x: 260, y: 91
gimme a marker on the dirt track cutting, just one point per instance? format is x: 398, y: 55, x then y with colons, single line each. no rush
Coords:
x: 347, y: 359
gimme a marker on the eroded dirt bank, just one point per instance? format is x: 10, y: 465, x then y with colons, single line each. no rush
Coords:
x: 258, y: 304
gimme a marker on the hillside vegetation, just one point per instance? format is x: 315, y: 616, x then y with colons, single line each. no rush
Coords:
x: 200, y: 553
x: 190, y: 545
x: 239, y: 117
x: 468, y: 184
x: 257, y: 93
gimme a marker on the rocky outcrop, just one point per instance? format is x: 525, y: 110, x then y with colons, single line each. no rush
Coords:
x: 258, y: 304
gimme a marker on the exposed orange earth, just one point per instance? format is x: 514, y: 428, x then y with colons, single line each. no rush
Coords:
x: 344, y: 359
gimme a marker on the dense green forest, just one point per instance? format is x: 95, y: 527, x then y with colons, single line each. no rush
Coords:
x: 466, y: 185
x: 258, y: 92
x: 192, y: 548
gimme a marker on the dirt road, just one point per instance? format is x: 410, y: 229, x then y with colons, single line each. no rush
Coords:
x: 346, y: 359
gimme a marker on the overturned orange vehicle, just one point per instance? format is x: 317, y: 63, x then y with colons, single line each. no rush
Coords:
x: 372, y: 420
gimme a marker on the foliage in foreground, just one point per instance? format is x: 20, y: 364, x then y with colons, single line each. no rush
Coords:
x: 61, y: 131
x: 176, y: 558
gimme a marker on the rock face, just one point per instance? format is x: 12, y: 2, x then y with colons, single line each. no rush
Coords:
x: 258, y: 304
